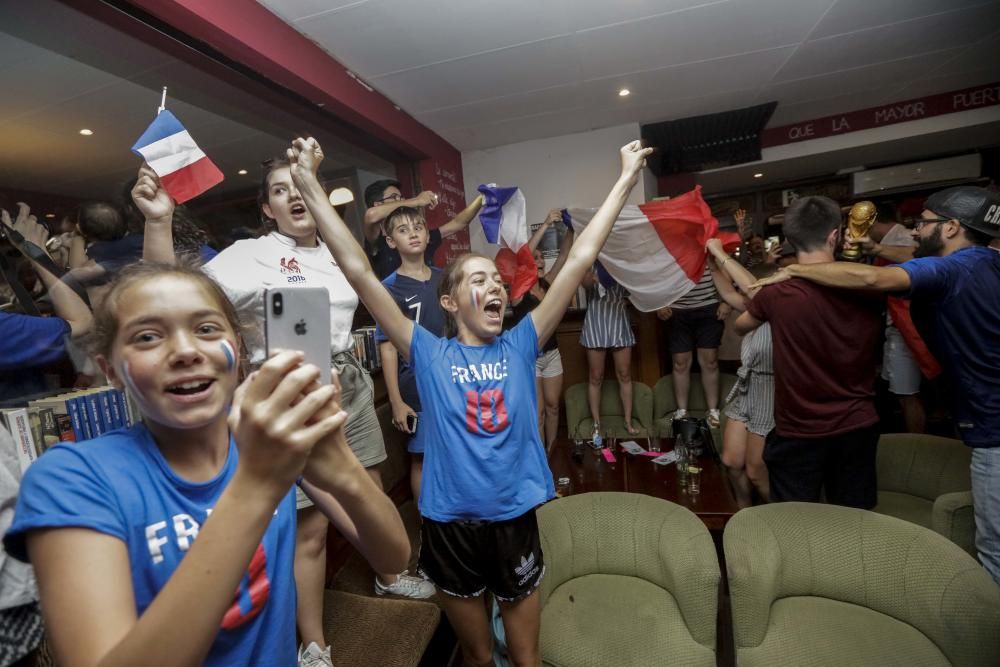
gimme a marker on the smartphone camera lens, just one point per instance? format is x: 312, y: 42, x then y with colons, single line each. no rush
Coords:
x: 276, y: 304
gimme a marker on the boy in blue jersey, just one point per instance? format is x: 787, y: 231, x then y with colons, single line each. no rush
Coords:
x: 486, y: 470
x: 954, y: 287
x: 414, y: 287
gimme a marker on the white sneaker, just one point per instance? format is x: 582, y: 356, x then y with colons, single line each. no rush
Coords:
x: 713, y: 418
x: 407, y: 586
x: 314, y: 656
x: 680, y: 414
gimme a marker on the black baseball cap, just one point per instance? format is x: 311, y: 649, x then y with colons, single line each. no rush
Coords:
x: 975, y: 208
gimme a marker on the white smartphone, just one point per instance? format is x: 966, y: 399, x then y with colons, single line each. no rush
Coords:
x: 299, y: 319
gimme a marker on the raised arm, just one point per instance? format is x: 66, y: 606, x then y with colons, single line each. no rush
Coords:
x: 585, y: 248
x: 376, y: 214
x: 564, y: 246
x: 305, y: 156
x: 66, y: 303
x: 736, y: 272
x: 462, y: 220
x: 158, y: 208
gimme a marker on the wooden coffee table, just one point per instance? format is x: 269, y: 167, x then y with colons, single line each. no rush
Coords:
x: 714, y: 505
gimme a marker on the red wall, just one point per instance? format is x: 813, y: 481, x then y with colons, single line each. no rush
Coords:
x: 245, y: 32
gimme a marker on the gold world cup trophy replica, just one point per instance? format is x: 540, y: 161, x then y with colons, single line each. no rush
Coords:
x: 859, y: 223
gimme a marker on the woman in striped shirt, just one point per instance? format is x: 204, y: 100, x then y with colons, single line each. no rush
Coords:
x: 607, y: 326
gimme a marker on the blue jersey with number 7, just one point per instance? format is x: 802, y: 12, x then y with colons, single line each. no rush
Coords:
x: 484, y: 458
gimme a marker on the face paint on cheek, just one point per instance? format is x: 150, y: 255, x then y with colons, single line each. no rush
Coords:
x: 475, y: 297
x: 129, y: 382
x: 227, y: 349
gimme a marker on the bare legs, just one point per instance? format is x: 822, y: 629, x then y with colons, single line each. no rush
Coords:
x: 521, y: 621
x: 708, y: 359
x: 743, y: 456
x: 622, y: 358
x: 310, y: 574
x: 549, y: 390
x: 416, y: 474
x: 682, y: 378
x: 914, y: 417
x: 595, y: 364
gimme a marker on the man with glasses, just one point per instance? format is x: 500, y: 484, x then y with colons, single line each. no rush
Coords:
x: 385, y: 196
x: 954, y: 287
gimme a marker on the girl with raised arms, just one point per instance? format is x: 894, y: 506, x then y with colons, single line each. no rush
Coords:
x: 140, y: 537
x: 485, y: 469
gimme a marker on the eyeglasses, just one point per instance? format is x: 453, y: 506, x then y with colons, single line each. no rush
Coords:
x: 920, y: 222
x: 392, y: 197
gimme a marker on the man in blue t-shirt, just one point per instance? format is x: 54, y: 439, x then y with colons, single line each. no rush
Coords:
x: 414, y: 286
x: 954, y: 287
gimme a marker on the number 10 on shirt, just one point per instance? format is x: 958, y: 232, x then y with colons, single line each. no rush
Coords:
x: 486, y: 410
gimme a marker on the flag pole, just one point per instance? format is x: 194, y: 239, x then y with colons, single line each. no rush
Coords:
x: 163, y: 101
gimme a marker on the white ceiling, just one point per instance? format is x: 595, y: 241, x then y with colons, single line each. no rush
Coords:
x: 484, y: 74
x: 63, y: 71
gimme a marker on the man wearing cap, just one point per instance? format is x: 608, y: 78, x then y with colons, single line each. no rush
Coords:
x: 954, y: 287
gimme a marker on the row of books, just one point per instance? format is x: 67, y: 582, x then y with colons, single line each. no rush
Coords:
x: 366, y: 349
x: 71, y: 417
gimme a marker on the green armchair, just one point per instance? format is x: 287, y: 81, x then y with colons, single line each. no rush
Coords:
x: 925, y: 479
x: 579, y: 425
x: 665, y: 404
x: 630, y: 580
x: 814, y: 584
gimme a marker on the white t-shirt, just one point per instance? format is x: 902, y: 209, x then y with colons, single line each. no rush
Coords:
x: 246, y: 268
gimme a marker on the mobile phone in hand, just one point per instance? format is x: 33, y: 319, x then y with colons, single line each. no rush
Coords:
x: 411, y: 423
x: 299, y: 319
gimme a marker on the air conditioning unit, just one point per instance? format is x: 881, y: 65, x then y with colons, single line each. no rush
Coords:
x: 916, y: 175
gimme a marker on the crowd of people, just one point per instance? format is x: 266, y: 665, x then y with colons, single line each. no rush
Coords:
x: 252, y: 455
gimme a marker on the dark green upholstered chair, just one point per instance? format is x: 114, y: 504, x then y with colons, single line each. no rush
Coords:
x: 580, y: 426
x: 814, y: 584
x: 665, y: 404
x: 925, y: 479
x: 630, y: 580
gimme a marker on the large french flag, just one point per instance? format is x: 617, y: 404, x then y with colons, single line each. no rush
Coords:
x: 184, y: 169
x: 657, y: 250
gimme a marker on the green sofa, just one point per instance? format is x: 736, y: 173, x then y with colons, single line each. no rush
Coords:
x: 925, y: 479
x: 814, y: 584
x: 579, y: 425
x: 630, y: 580
x: 665, y: 404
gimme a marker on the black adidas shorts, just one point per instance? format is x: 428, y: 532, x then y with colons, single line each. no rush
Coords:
x: 465, y: 558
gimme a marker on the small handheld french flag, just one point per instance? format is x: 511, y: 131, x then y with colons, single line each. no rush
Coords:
x: 503, y: 217
x: 184, y: 169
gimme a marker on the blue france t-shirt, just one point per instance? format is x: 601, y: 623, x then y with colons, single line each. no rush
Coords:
x: 955, y: 304
x: 120, y: 485
x: 484, y: 458
x: 419, y: 301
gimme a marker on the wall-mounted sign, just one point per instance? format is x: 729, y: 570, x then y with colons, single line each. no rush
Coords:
x: 889, y: 114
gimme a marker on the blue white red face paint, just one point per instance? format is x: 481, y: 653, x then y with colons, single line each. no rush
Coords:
x: 129, y: 382
x: 475, y: 298
x: 227, y: 349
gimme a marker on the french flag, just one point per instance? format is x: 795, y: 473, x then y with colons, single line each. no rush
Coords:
x: 184, y: 169
x: 656, y: 250
x: 505, y: 222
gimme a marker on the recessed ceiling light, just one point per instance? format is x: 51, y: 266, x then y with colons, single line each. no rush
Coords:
x: 624, y: 92
x: 85, y: 132
x: 758, y: 175
x: 242, y: 172
x: 50, y: 215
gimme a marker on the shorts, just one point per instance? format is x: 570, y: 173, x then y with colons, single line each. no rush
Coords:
x: 695, y: 328
x: 899, y: 368
x: 549, y: 364
x: 842, y: 465
x: 357, y: 397
x: 751, y: 401
x: 416, y: 445
x: 465, y: 558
